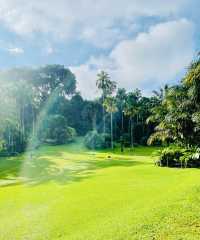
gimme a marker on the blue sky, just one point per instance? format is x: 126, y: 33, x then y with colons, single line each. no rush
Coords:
x: 140, y: 43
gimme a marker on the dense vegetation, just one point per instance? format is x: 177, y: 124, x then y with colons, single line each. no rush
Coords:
x: 42, y: 105
x: 177, y: 117
x: 107, y: 186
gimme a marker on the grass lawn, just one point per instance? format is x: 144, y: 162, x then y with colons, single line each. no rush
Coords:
x: 72, y: 193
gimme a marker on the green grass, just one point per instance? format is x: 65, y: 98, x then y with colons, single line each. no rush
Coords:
x: 68, y: 192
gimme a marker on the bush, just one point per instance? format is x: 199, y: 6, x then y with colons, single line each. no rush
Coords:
x: 191, y: 158
x: 54, y: 130
x: 179, y: 157
x: 70, y: 134
x: 94, y: 140
x: 170, y: 157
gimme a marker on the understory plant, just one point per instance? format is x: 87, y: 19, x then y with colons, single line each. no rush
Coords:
x: 179, y: 157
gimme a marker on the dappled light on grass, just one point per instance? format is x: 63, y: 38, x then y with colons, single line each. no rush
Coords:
x: 65, y: 167
x: 66, y: 164
x: 70, y: 194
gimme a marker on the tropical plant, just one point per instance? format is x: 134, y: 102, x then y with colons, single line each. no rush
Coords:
x: 107, y: 87
x: 132, y: 109
x: 111, y: 107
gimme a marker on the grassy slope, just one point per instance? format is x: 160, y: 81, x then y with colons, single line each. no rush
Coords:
x: 72, y: 193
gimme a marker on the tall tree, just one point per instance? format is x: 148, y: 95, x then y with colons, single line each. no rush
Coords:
x: 111, y: 107
x: 132, y: 109
x: 121, y: 100
x: 107, y: 87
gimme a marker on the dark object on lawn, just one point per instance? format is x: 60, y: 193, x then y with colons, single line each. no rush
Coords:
x: 122, y: 143
x: 109, y: 156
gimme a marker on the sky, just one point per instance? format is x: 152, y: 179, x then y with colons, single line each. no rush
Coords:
x: 140, y: 43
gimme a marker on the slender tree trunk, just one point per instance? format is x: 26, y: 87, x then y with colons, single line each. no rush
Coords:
x: 104, y: 120
x: 122, y: 123
x: 111, y: 128
x: 12, y: 143
x: 33, y: 123
x: 9, y: 137
x: 22, y: 124
x: 131, y: 132
x: 94, y: 122
x: 122, y: 132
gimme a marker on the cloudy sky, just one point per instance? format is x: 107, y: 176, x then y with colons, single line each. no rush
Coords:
x: 140, y: 43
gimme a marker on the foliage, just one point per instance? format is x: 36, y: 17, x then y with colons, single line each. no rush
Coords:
x: 176, y: 116
x: 94, y: 140
x: 180, y: 157
x: 26, y: 93
x: 70, y: 134
x: 105, y: 84
x: 54, y: 130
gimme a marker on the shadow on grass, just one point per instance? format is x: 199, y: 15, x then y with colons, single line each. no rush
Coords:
x: 10, y: 167
x: 141, y: 151
x: 37, y: 170
x: 38, y: 167
x: 43, y: 170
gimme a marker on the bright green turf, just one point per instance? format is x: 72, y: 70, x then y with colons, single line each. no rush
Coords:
x: 71, y: 193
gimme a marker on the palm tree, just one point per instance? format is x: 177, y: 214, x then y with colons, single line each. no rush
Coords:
x: 132, y: 109
x: 107, y: 87
x: 111, y: 107
x: 121, y: 98
x: 173, y: 117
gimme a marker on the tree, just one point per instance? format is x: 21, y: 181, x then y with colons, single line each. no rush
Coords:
x: 121, y: 100
x: 51, y: 77
x: 111, y: 107
x: 107, y: 87
x: 132, y: 109
x: 173, y: 117
x: 90, y: 114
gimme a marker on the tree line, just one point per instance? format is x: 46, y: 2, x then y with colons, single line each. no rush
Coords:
x: 43, y: 105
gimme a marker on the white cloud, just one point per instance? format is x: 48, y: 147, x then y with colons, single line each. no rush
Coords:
x: 147, y: 61
x: 50, y: 50
x: 93, y: 21
x: 86, y: 80
x: 15, y: 51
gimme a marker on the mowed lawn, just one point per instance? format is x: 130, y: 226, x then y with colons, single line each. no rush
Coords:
x: 70, y: 193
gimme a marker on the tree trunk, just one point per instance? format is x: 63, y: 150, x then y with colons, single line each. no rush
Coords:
x: 9, y: 137
x: 94, y: 122
x: 111, y: 129
x: 131, y: 132
x: 33, y: 123
x: 122, y: 123
x: 104, y: 120
x: 122, y: 132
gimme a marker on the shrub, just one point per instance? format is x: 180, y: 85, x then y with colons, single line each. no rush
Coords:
x: 179, y: 157
x: 170, y: 157
x: 94, y: 140
x: 191, y: 158
x: 70, y: 134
